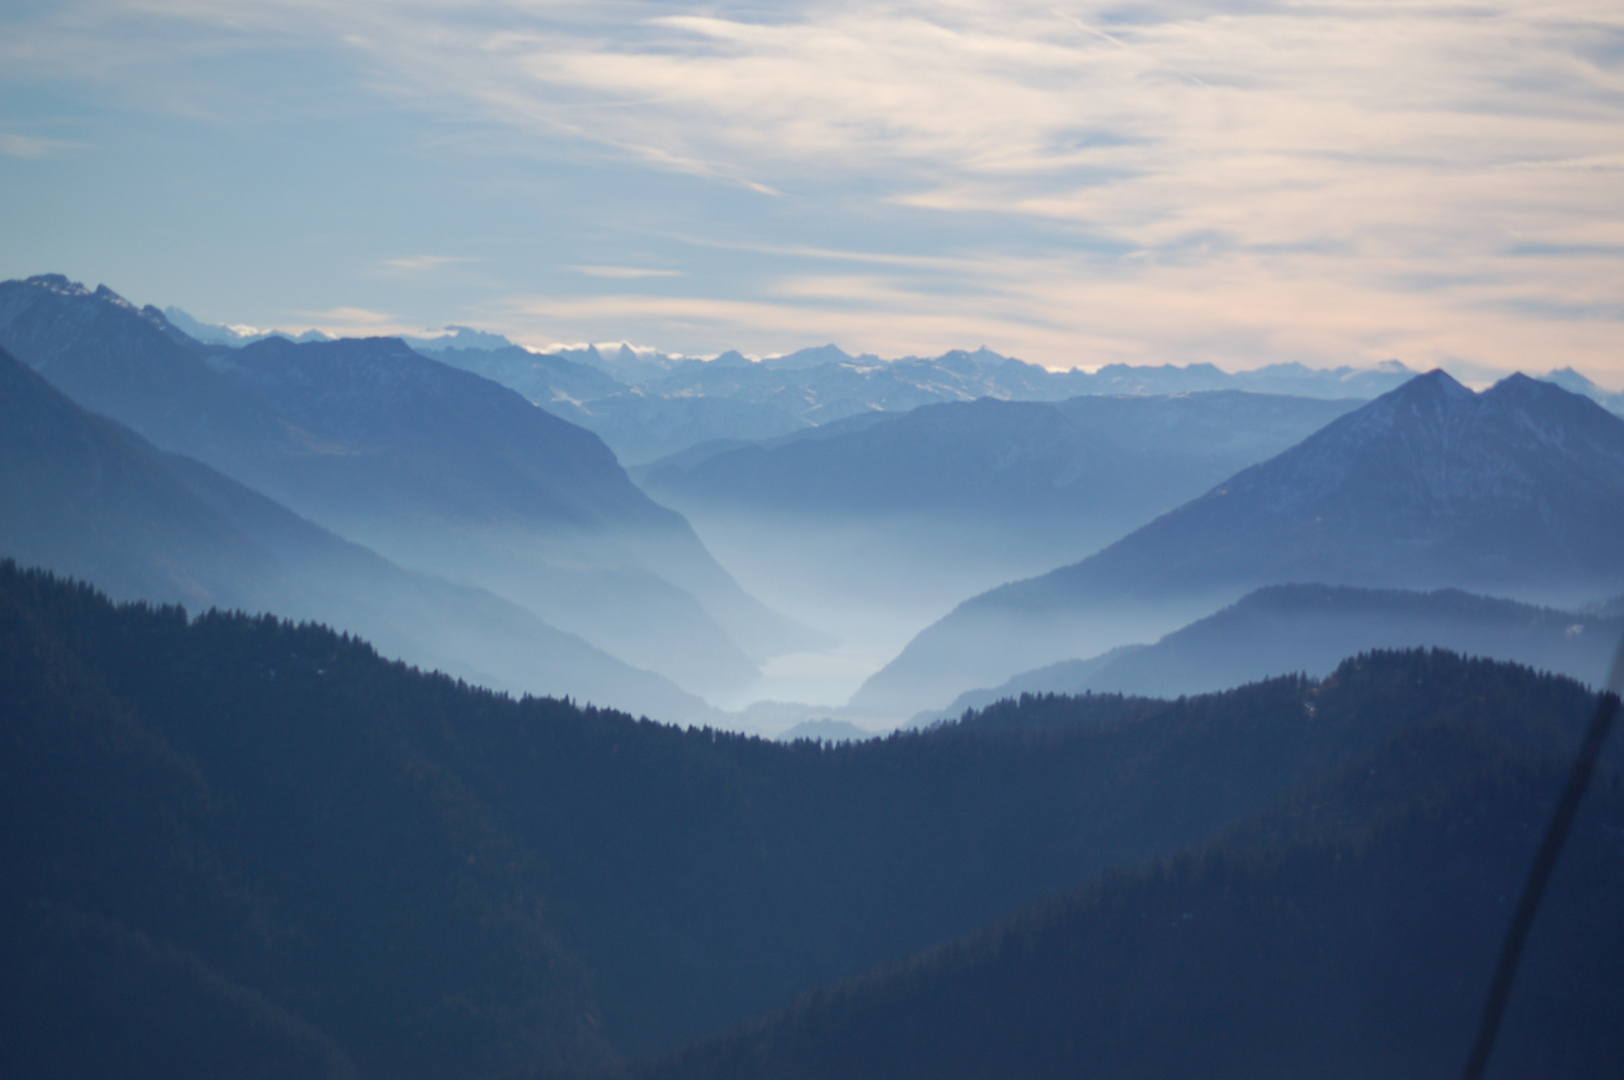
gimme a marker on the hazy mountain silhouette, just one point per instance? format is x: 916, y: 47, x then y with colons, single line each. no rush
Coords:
x: 84, y: 495
x: 215, y: 334
x: 672, y: 403
x: 826, y: 730
x: 1284, y: 629
x: 550, y: 381
x: 1009, y: 486
x: 1575, y: 383
x: 433, y: 467
x: 1517, y: 491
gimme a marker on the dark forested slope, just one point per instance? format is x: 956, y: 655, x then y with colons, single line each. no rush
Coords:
x: 1350, y: 930
x: 328, y: 863
x: 1355, y: 952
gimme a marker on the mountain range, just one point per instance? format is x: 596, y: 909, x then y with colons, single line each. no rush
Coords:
x: 87, y: 497
x: 242, y: 838
x: 1517, y: 491
x: 1310, y: 629
x: 434, y: 468
x: 945, y: 500
x: 680, y: 401
x: 669, y: 404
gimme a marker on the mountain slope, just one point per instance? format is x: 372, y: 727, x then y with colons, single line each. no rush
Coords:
x: 1281, y: 629
x: 83, y: 495
x: 88, y: 497
x: 408, y: 872
x: 434, y: 467
x: 1017, y: 485
x: 1517, y: 491
x: 1350, y: 931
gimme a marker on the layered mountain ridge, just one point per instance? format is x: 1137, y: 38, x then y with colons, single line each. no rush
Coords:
x: 433, y: 467
x: 1517, y: 491
x: 85, y: 496
x: 664, y: 405
x: 1309, y: 629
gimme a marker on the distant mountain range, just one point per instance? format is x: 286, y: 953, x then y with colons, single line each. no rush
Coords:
x: 648, y: 405
x: 1310, y: 629
x: 85, y: 496
x: 874, y: 526
x: 671, y: 404
x: 432, y: 467
x: 678, y: 401
x: 1518, y: 491
x: 1000, y: 488
x: 667, y: 404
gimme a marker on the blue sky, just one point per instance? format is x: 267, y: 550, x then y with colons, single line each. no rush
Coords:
x: 1239, y: 183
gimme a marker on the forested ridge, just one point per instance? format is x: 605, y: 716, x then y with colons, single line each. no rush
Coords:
x: 239, y: 847
x: 1355, y: 950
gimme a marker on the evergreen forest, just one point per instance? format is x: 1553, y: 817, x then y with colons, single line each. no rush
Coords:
x: 240, y: 847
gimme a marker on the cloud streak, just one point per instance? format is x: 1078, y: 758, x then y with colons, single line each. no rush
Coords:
x: 31, y: 146
x: 624, y: 273
x: 425, y: 263
x: 1236, y: 182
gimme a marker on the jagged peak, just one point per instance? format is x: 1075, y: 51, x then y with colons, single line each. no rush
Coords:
x: 1569, y: 379
x: 1519, y: 384
x: 108, y: 296
x: 1519, y: 389
x: 1436, y: 381
x: 57, y: 283
x: 62, y: 285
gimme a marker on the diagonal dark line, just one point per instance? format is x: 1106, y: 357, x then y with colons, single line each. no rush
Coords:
x: 1539, y: 874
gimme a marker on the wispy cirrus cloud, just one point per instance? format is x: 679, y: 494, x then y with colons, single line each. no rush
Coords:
x: 624, y: 273
x: 1433, y: 179
x: 31, y: 146
x: 425, y: 263
x: 351, y: 322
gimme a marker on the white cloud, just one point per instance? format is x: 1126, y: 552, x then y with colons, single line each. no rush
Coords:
x: 424, y: 263
x: 626, y: 273
x: 30, y: 146
x: 353, y: 322
x: 1422, y: 178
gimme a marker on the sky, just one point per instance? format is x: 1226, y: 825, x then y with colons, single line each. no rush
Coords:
x: 1072, y: 183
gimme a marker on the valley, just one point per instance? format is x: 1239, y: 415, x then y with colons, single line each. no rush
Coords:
x: 373, y: 715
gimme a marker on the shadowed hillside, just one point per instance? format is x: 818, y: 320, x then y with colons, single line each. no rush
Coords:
x: 1350, y: 933
x: 259, y: 822
x: 342, y: 860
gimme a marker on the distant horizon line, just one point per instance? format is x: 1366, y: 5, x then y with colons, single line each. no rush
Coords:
x: 239, y: 334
